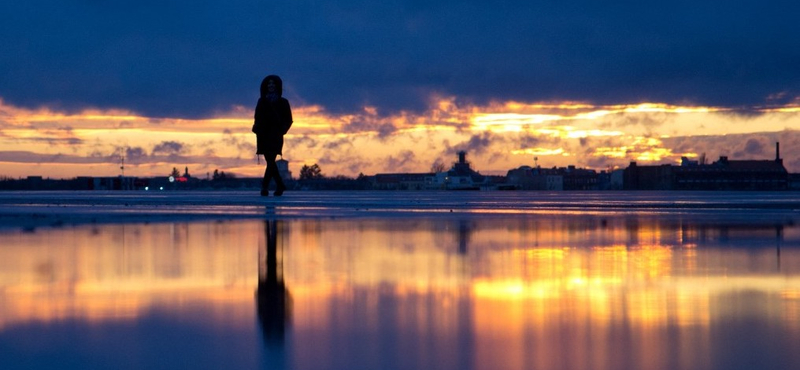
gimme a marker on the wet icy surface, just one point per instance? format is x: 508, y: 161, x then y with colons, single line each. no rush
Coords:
x: 34, y: 209
x: 399, y: 280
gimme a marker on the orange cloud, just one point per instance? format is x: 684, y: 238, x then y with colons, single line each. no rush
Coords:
x: 559, y: 134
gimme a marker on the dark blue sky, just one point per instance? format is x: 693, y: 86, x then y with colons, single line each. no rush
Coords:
x: 194, y: 58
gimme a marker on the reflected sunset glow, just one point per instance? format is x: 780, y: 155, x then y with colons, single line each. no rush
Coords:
x: 111, y: 272
x: 502, y: 282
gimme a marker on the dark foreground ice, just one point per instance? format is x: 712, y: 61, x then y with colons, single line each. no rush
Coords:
x: 34, y: 209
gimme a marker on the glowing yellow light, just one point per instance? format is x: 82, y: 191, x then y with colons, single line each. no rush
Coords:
x: 620, y: 152
x: 654, y: 154
x: 538, y: 151
x: 594, y: 115
x: 792, y: 109
x: 510, y: 121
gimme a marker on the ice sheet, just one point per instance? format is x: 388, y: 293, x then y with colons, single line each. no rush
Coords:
x: 56, y: 208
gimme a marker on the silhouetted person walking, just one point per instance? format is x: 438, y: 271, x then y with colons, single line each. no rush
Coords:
x: 273, y: 118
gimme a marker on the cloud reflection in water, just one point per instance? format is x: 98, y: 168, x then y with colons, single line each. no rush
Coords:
x: 574, y: 291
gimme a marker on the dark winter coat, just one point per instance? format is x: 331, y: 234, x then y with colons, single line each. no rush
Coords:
x: 273, y: 118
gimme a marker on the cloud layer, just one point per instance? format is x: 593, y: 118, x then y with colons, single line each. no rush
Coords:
x: 497, y: 137
x: 194, y: 59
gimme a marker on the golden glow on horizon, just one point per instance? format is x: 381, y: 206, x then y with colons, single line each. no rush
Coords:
x: 539, y: 151
x: 510, y: 121
x: 786, y: 109
x: 516, y: 120
x: 642, y: 149
x: 367, y: 142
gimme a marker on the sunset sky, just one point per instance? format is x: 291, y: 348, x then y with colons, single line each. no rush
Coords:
x: 394, y: 86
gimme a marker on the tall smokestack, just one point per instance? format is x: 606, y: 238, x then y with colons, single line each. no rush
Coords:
x: 777, y: 151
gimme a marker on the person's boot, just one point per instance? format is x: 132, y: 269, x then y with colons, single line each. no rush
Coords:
x: 264, y: 188
x: 279, y: 189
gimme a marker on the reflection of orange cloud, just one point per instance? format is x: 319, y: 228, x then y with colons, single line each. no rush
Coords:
x: 518, y: 279
x: 123, y: 271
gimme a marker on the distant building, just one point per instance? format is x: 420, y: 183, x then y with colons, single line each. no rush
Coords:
x: 615, y: 180
x: 528, y: 178
x: 283, y: 169
x: 553, y: 179
x: 794, y: 181
x: 579, y: 178
x: 106, y: 183
x: 497, y: 183
x: 403, y: 181
x: 724, y: 174
x: 658, y: 177
x: 460, y: 176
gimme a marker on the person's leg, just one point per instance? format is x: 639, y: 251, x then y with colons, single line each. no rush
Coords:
x: 280, y: 187
x: 272, y: 173
x: 267, y: 175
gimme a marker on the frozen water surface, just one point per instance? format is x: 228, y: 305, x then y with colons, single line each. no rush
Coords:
x: 30, y: 209
x: 400, y: 280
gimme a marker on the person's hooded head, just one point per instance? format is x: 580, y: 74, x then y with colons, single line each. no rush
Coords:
x: 271, y: 84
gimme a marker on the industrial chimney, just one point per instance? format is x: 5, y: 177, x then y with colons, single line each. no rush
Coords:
x: 778, y: 152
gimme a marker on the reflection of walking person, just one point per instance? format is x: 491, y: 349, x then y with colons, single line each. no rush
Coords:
x: 273, y: 301
x: 273, y: 118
